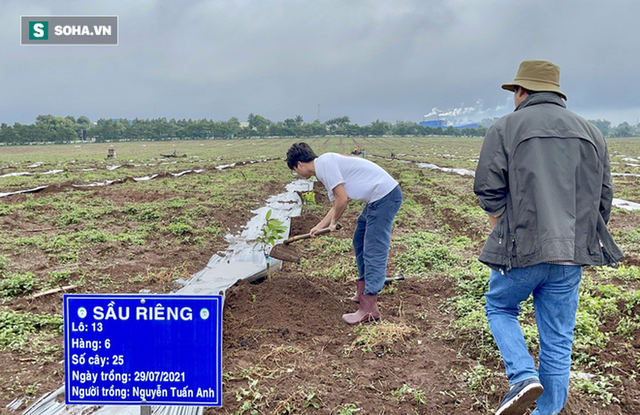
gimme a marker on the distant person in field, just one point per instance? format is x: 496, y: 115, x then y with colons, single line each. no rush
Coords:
x: 544, y: 179
x: 348, y: 177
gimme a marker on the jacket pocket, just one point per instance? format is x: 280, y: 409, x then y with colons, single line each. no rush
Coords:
x: 494, y: 252
x: 608, y: 259
x: 496, y: 240
x: 611, y: 254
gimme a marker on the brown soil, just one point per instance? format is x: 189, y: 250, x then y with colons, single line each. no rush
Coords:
x: 289, y: 330
x: 286, y: 348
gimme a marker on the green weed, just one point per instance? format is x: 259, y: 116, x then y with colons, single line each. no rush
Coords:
x: 21, y: 329
x: 59, y: 277
x: 214, y: 229
x: 631, y: 238
x: 93, y: 236
x: 424, y: 252
x: 600, y: 389
x: 68, y: 258
x: 331, y: 247
x: 631, y: 273
x: 417, y: 396
x: 311, y: 399
x: 343, y: 270
x: 471, y: 323
x: 462, y: 242
x: 472, y: 280
x: 70, y: 217
x: 630, y: 299
x: 308, y: 198
x: 133, y: 237
x: 178, y: 202
x: 6, y: 209
x: 297, y: 401
x: 348, y: 409
x: 588, y: 339
x: 480, y: 380
x: 600, y: 306
x: 410, y: 213
x: 627, y: 326
x: 250, y: 397
x: 180, y: 229
x: 15, y: 285
x: 143, y: 212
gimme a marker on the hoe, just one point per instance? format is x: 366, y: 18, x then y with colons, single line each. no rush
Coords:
x: 284, y: 252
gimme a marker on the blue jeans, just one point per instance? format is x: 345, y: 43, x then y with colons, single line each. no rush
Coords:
x: 555, y: 301
x: 372, y: 238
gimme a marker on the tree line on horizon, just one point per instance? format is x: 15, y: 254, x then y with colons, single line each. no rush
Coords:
x: 52, y: 129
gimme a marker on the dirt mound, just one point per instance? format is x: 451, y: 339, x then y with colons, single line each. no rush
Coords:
x: 290, y: 328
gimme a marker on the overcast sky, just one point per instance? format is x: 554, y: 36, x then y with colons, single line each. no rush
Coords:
x: 389, y: 60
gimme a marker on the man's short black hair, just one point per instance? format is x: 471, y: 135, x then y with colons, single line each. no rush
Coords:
x: 299, y: 152
x: 516, y: 88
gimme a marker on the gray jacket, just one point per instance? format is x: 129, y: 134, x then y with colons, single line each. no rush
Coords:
x: 547, y: 170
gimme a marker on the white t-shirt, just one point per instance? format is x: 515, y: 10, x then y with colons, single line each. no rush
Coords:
x: 362, y: 179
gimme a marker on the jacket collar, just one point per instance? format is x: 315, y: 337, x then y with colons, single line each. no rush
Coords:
x: 542, y: 98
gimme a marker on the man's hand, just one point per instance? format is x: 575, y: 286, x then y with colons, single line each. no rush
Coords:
x: 315, y: 229
x: 321, y: 226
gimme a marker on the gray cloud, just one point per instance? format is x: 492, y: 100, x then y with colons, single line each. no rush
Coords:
x: 363, y: 58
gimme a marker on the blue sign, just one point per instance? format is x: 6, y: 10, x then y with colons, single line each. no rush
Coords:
x: 143, y: 350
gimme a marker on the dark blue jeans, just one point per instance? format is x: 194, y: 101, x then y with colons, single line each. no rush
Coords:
x: 372, y: 238
x: 555, y: 301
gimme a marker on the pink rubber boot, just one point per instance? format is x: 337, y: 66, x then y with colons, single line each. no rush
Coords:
x: 368, y: 310
x: 359, y: 291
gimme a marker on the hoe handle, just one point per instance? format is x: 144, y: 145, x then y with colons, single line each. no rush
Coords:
x: 308, y: 235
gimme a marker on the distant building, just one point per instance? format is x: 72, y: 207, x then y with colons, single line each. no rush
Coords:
x: 463, y: 126
x: 434, y: 123
x: 438, y: 123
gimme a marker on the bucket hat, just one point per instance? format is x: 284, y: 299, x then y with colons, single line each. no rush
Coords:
x: 538, y: 76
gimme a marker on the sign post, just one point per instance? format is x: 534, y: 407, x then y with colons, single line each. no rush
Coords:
x: 143, y: 350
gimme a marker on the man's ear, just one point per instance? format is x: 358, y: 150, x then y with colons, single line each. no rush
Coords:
x: 522, y: 92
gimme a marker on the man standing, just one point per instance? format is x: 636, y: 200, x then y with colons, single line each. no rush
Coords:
x: 347, y: 177
x: 544, y: 179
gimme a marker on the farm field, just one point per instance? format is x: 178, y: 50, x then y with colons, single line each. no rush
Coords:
x: 286, y: 349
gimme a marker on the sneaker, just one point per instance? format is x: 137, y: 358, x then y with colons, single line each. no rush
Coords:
x: 520, y: 397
